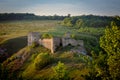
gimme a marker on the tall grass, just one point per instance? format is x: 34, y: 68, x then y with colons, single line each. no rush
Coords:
x: 92, y: 31
x: 14, y: 29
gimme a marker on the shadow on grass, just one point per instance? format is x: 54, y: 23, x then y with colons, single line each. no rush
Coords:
x: 15, y: 44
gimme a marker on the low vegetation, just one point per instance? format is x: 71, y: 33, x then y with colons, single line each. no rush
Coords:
x: 42, y: 60
x: 105, y: 65
x: 37, y: 63
x: 47, y: 36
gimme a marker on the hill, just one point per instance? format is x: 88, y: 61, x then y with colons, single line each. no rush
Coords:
x: 37, y: 63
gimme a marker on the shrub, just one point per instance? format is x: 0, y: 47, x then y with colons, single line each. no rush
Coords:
x: 60, y: 72
x: 73, y: 36
x: 34, y: 44
x: 43, y: 60
x: 48, y: 36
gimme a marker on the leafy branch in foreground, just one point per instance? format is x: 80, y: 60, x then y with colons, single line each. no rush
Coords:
x: 106, y: 65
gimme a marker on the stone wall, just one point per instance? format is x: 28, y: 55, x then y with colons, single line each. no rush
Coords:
x: 70, y: 41
x: 56, y: 43
x: 53, y: 43
x: 33, y: 37
x: 47, y: 43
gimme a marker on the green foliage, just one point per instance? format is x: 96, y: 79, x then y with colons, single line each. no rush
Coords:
x: 110, y: 42
x: 42, y: 60
x: 48, y: 36
x: 34, y: 44
x: 60, y: 72
x: 101, y: 67
x: 79, y: 23
x: 73, y: 36
x: 98, y: 69
x: 90, y: 21
x: 105, y: 66
x: 91, y: 31
x: 67, y: 22
x: 91, y: 43
x: 114, y: 66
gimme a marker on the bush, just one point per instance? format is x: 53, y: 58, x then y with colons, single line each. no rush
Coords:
x: 48, y: 36
x: 43, y: 60
x: 73, y: 36
x: 60, y: 72
x: 34, y: 44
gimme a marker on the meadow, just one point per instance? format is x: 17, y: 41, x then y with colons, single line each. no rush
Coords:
x: 13, y: 34
x: 10, y: 29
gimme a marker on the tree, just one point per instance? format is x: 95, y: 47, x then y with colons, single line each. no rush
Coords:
x: 110, y: 42
x: 67, y: 22
x: 79, y: 23
x: 106, y: 66
x: 60, y: 72
x: 69, y: 15
x: 98, y: 68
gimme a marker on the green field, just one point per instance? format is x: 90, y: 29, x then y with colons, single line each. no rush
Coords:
x: 14, y: 29
x: 13, y: 36
x: 14, y: 33
x: 22, y: 28
x: 11, y: 29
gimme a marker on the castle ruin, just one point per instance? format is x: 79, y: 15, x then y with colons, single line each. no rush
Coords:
x: 54, y: 42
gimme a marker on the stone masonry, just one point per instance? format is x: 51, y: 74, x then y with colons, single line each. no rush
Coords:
x: 53, y: 43
x: 33, y: 37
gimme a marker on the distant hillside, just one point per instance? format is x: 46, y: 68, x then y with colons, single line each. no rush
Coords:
x: 27, y: 16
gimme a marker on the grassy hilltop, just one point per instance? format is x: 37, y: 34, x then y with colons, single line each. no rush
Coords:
x: 14, y: 38
x: 36, y: 62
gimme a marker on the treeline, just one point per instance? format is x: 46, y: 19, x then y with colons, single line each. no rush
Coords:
x: 76, y: 21
x: 28, y: 16
x: 90, y: 21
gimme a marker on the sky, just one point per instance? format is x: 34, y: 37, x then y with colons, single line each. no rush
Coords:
x: 61, y: 7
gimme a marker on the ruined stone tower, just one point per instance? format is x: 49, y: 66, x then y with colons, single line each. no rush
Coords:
x: 33, y: 37
x: 53, y: 43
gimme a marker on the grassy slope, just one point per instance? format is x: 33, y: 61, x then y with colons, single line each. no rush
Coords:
x: 15, y: 33
x: 21, y: 28
x: 13, y: 29
x: 75, y: 65
x: 12, y: 32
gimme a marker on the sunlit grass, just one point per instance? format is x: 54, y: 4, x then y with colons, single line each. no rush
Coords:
x: 22, y: 28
